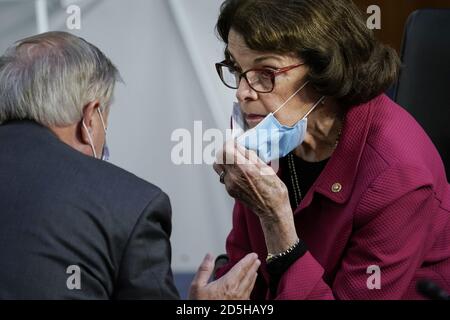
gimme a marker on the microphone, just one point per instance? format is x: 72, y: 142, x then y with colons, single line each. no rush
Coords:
x: 431, y: 290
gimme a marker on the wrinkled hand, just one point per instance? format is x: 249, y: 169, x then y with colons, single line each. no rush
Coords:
x: 237, y: 284
x: 252, y: 182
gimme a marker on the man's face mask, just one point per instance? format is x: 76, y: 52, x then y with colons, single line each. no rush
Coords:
x: 270, y: 139
x: 105, y: 151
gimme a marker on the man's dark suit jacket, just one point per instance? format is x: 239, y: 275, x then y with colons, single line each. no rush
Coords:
x: 60, y: 208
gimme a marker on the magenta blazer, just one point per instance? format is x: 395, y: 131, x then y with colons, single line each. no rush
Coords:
x: 382, y: 200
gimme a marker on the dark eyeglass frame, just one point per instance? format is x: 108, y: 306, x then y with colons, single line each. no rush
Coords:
x: 273, y: 74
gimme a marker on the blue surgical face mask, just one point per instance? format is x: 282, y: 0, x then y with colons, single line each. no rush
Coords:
x: 105, y: 151
x: 270, y: 139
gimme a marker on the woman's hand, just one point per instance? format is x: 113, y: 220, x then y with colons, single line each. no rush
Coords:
x: 237, y: 284
x: 256, y: 184
x: 252, y: 182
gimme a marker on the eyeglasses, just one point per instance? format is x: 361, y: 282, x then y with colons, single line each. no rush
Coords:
x: 260, y: 80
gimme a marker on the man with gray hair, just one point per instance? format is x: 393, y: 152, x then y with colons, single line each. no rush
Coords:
x: 73, y: 226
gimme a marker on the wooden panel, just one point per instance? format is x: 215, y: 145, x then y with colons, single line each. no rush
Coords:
x: 394, y: 14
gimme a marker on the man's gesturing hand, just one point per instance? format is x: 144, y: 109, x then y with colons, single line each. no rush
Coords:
x: 237, y: 284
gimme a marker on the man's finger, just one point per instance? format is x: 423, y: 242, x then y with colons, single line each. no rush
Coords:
x: 240, y: 270
x: 204, y: 271
x: 249, y: 281
x: 252, y: 285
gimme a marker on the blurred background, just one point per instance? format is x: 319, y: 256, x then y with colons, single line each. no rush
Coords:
x: 165, y: 51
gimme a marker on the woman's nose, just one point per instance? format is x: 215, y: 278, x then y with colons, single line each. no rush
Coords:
x: 245, y: 92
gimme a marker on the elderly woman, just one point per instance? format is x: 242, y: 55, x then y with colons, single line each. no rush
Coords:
x: 360, y: 205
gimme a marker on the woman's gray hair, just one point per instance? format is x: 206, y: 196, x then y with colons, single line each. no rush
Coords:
x: 49, y: 78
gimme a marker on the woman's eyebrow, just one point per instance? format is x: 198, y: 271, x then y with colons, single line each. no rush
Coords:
x: 257, y: 60
x: 261, y: 59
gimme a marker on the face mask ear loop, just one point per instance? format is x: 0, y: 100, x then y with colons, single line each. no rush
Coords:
x: 90, y: 140
x: 106, y: 131
x: 101, y: 118
x: 290, y: 98
x: 312, y: 109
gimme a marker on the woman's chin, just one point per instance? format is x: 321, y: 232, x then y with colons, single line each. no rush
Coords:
x: 253, y: 123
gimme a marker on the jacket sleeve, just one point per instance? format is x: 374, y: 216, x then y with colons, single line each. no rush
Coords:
x: 145, y: 271
x: 391, y: 225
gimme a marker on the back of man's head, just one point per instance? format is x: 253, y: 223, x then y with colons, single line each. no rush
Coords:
x: 49, y: 78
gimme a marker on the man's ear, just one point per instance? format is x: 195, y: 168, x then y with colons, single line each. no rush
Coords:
x: 89, y: 114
